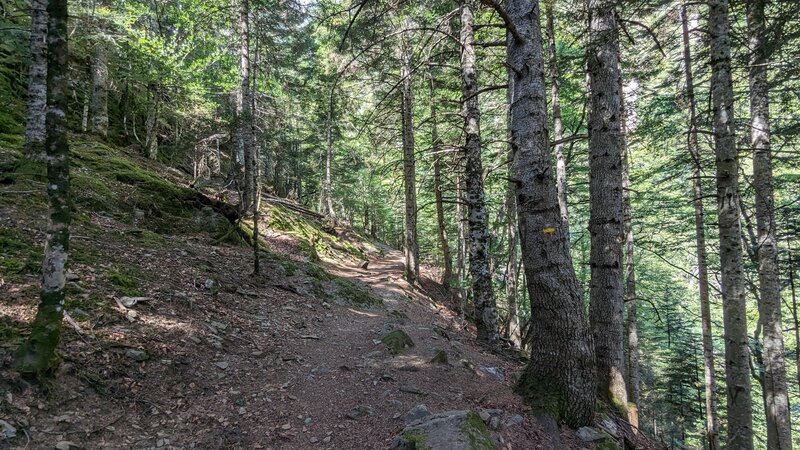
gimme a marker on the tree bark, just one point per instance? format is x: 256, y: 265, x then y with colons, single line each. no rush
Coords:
x: 709, y: 379
x: 631, y: 327
x: 409, y: 167
x: 447, y: 276
x: 326, y: 199
x: 480, y: 272
x: 558, y: 129
x: 244, y: 112
x: 151, y: 123
x: 560, y: 377
x: 37, y: 82
x: 513, y: 326
x: 795, y: 317
x: 100, y: 90
x: 737, y: 353
x: 606, y: 289
x: 36, y: 357
x: 461, y: 256
x: 776, y: 395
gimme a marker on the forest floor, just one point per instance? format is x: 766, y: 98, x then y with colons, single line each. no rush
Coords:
x: 214, y: 357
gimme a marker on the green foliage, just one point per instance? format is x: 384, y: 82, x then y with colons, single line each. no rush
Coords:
x: 125, y: 280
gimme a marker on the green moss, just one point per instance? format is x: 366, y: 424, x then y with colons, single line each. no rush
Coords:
x: 415, y: 440
x: 91, y: 193
x: 125, y: 281
x: 18, y: 253
x: 478, y: 433
x: 36, y: 357
x: 146, y: 237
x: 356, y: 294
x: 316, y: 272
x: 542, y: 394
x: 9, y: 331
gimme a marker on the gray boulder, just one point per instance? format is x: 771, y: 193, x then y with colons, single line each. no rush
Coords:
x: 451, y: 430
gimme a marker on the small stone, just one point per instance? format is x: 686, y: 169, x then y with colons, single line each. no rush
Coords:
x: 327, y: 439
x: 411, y: 389
x: 242, y: 410
x: 439, y: 358
x: 485, y: 416
x: 313, y: 440
x: 136, y: 355
x: 588, y: 434
x: 218, y: 325
x: 610, y: 427
x: 8, y: 430
x: 65, y: 445
x: 494, y: 423
x: 209, y: 284
x: 516, y: 419
x: 257, y: 354
x: 416, y: 413
x: 222, y: 364
x: 359, y: 411
x: 130, y: 302
x: 494, y: 372
x: 286, y: 426
x: 307, y: 421
x: 72, y: 276
x: 395, y: 403
x: 195, y: 339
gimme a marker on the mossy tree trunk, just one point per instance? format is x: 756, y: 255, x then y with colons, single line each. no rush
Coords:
x: 37, y: 355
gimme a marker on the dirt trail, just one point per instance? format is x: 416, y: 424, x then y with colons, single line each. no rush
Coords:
x: 255, y: 364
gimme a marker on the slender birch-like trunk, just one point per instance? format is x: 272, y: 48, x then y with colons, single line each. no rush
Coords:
x: 709, y: 379
x: 37, y: 355
x: 37, y: 82
x: 99, y: 104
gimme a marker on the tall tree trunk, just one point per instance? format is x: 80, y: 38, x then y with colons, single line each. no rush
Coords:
x: 712, y: 416
x: 100, y: 90
x: 558, y: 129
x: 447, y: 276
x: 560, y: 377
x: 737, y: 353
x: 409, y: 167
x: 37, y: 82
x: 795, y: 317
x: 605, y: 192
x: 776, y: 395
x: 326, y: 198
x: 244, y: 111
x: 36, y: 356
x: 480, y: 272
x: 461, y: 256
x: 513, y: 326
x: 151, y: 122
x: 631, y: 327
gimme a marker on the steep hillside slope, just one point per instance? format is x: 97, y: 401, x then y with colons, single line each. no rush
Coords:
x: 172, y: 342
